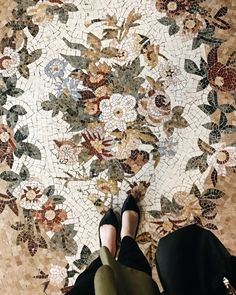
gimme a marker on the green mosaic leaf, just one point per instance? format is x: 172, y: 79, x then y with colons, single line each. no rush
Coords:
x: 19, y: 110
x: 15, y: 92
x: 12, y: 119
x: 214, y: 136
x: 24, y: 173
x: 227, y: 108
x: 166, y: 205
x: 191, y: 67
x: 22, y: 133
x: 78, y: 62
x: 63, y: 16
x: 31, y: 150
x: 173, y: 29
x: 202, y: 84
x: 212, y: 98
x: 207, y: 109
x: 77, y: 46
x: 193, y: 163
x: 166, y: 21
x: 9, y: 176
x: 228, y: 129
x: 49, y: 191
x: 58, y: 199
x: 70, y: 7
x: 24, y: 71
x: 33, y: 56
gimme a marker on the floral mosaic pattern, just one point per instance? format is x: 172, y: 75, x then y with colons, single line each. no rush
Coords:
x: 96, y: 106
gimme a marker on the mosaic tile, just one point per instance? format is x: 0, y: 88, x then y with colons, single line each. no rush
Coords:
x: 100, y: 99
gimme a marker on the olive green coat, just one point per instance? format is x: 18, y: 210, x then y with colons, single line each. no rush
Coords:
x: 112, y: 278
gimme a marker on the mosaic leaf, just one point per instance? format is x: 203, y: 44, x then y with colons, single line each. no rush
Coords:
x: 191, y: 67
x: 115, y: 170
x: 70, y: 7
x: 207, y: 109
x: 214, y: 177
x: 12, y: 119
x: 227, y: 108
x: 214, y: 136
x: 202, y: 84
x: 63, y: 16
x: 166, y: 205
x: 173, y: 29
x: 49, y: 191
x: 228, y: 129
x: 31, y: 150
x: 166, y: 21
x: 22, y: 133
x: 155, y: 213
x: 9, y: 176
x: 19, y: 110
x: 77, y: 46
x: 24, y: 173
x: 212, y: 98
x: 58, y: 199
x: 78, y: 62
x: 33, y: 56
x: 15, y: 92
x: 212, y: 194
x: 204, y: 147
x: 24, y: 71
x: 144, y: 238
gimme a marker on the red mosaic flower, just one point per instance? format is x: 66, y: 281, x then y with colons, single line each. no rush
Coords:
x: 7, y: 144
x: 220, y: 76
x: 172, y: 7
x: 49, y: 217
x: 97, y: 144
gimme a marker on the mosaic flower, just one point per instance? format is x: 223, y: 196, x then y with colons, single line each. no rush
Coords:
x: 170, y: 73
x: 192, y: 23
x: 39, y: 13
x: 49, y: 217
x: 57, y: 274
x: 138, y: 190
x: 9, y: 61
x: 155, y: 108
x: 172, y: 7
x: 97, y: 143
x: 30, y: 194
x: 117, y: 111
x: 128, y: 49
x: 190, y: 204
x: 67, y: 151
x: 167, y: 147
x: 68, y: 87
x: 7, y: 144
x: 224, y: 156
x: 55, y: 68
x: 168, y: 223
x: 135, y: 162
x: 107, y: 186
x: 93, y: 81
x: 222, y: 77
x: 122, y: 147
x: 6, y: 15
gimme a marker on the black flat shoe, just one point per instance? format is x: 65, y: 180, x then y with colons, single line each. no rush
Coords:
x: 109, y: 218
x: 130, y: 205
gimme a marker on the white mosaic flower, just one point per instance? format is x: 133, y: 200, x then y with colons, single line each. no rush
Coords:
x: 31, y: 195
x: 57, y: 274
x: 128, y: 49
x: 9, y: 61
x: 170, y: 74
x: 117, y: 111
x: 224, y: 156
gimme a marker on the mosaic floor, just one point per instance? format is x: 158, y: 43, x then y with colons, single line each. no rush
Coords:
x: 103, y: 98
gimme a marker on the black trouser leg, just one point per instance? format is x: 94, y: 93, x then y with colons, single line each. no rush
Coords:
x: 84, y: 284
x: 131, y: 256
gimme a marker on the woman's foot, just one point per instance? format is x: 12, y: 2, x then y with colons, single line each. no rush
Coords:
x: 130, y: 216
x: 108, y: 231
x: 108, y: 238
x: 129, y: 224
